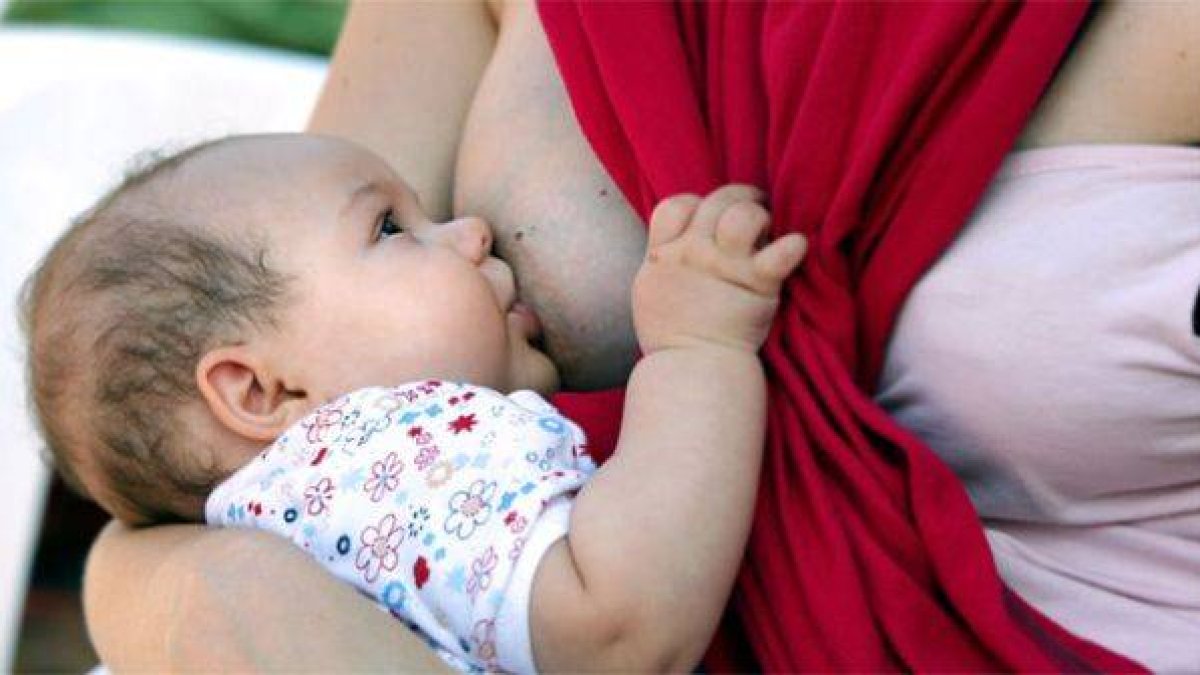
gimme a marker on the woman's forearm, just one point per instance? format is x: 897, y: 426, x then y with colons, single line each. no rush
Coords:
x: 193, y: 598
x: 401, y: 83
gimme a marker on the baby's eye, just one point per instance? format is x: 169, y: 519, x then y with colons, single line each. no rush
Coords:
x: 389, y: 226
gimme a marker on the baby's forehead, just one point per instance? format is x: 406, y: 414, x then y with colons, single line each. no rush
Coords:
x: 280, y: 159
x: 245, y: 176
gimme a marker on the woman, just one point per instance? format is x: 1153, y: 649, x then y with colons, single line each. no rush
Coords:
x: 1127, y: 80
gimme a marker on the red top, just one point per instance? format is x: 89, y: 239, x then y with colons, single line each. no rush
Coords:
x: 874, y: 127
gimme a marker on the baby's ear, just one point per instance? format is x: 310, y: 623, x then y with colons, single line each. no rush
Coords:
x: 246, y: 396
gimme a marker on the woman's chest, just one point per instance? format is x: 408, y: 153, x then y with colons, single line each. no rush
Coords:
x: 524, y: 165
x: 522, y: 151
x: 1051, y: 356
x: 1133, y: 77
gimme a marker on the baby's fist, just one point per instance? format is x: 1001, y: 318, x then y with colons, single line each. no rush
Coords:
x: 705, y: 280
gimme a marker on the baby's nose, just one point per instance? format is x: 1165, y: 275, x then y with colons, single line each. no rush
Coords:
x: 471, y: 236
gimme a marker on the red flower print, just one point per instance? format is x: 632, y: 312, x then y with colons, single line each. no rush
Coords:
x: 421, y: 572
x: 420, y: 436
x: 463, y: 423
x: 516, y: 522
x: 321, y: 454
x: 317, y: 496
x: 379, y: 544
x: 385, y: 476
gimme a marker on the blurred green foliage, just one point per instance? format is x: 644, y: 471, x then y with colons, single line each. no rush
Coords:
x: 304, y: 25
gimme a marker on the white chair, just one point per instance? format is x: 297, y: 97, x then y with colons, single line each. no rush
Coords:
x: 74, y: 107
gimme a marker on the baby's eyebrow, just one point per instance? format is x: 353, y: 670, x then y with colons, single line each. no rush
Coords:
x: 364, y: 190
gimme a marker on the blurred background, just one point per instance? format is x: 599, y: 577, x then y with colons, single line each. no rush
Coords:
x: 84, y: 85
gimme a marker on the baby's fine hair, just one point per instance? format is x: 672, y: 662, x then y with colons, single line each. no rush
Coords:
x: 116, y: 317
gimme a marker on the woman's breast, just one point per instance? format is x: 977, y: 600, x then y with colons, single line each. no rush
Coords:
x: 524, y: 165
x: 1051, y: 357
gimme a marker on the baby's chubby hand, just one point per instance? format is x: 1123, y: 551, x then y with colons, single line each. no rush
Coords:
x: 705, y: 281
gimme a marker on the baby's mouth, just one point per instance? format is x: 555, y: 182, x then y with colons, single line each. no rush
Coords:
x: 531, y: 325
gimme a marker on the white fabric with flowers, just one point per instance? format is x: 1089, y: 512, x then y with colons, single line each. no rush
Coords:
x: 436, y: 499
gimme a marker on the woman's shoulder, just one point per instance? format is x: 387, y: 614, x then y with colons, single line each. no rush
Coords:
x: 1131, y: 78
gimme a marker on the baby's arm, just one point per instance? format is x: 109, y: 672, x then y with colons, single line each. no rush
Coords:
x: 657, y: 536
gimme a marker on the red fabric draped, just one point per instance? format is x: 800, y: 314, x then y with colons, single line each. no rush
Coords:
x: 874, y: 127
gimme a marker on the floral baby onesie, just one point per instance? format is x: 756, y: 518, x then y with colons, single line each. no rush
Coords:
x: 436, y: 499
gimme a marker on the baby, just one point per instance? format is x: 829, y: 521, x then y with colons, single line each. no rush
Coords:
x: 269, y: 332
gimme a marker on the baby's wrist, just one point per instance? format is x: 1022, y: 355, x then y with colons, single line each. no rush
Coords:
x: 702, y: 344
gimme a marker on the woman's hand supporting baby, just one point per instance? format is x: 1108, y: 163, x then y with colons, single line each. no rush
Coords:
x: 657, y: 536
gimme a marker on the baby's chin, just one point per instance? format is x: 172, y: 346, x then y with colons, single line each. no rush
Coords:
x: 532, y: 367
x: 535, y: 371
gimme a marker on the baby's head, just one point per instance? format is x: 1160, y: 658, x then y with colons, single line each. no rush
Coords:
x: 219, y: 295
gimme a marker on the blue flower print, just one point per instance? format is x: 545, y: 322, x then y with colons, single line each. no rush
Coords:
x: 456, y: 578
x: 401, y: 498
x: 351, y: 479
x: 542, y: 462
x: 552, y: 424
x: 506, y: 500
x: 470, y: 508
x: 394, y: 596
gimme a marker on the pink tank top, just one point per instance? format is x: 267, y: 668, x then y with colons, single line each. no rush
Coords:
x: 1052, y: 358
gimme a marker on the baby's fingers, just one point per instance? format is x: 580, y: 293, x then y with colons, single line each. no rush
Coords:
x: 780, y: 258
x: 714, y: 205
x: 670, y: 218
x: 740, y: 227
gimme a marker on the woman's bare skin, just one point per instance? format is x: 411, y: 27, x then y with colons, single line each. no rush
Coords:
x: 1134, y: 77
x: 160, y: 598
x: 558, y: 217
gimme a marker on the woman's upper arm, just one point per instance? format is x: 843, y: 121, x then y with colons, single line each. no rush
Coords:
x: 401, y: 82
x: 194, y: 598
